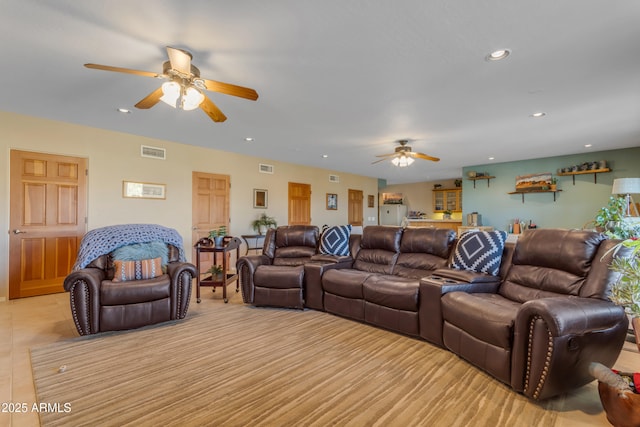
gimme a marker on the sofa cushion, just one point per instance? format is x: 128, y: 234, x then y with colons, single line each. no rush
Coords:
x: 480, y: 251
x: 137, y: 270
x: 345, y: 282
x: 487, y: 317
x: 134, y: 292
x: 391, y: 291
x: 138, y: 251
x: 335, y: 240
x: 282, y: 277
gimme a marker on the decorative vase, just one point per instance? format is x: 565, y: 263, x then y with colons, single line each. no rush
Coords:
x: 218, y: 240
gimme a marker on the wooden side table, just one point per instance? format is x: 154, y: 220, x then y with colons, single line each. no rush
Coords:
x: 226, y: 277
x: 256, y: 241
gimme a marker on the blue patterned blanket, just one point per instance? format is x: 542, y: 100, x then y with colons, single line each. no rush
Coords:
x: 103, y: 240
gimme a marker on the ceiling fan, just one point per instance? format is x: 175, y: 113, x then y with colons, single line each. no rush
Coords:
x: 184, y: 88
x: 403, y: 156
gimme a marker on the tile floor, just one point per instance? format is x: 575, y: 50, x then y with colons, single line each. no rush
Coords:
x: 30, y: 322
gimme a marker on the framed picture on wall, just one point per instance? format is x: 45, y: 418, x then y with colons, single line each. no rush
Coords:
x: 260, y: 198
x: 332, y: 201
x: 371, y: 201
x: 143, y: 190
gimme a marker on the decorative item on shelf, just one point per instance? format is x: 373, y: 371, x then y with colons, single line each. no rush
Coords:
x: 471, y: 174
x: 437, y: 186
x: 218, y: 235
x: 446, y: 214
x: 263, y: 222
x: 554, y: 184
x: 458, y: 183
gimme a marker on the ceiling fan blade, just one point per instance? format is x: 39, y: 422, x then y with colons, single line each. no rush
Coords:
x: 180, y: 60
x: 151, y: 99
x: 123, y: 70
x: 378, y: 161
x: 229, y: 89
x: 387, y: 155
x: 212, y: 110
x: 424, y: 157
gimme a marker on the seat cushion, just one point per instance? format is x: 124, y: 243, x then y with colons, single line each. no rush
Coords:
x: 135, y: 291
x: 345, y: 282
x: 393, y: 292
x: 487, y: 317
x: 279, y: 276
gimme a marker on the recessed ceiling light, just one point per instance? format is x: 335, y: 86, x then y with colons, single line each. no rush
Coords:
x: 492, y: 158
x: 539, y: 114
x: 497, y: 55
x: 588, y: 145
x: 248, y: 139
x: 324, y: 156
x: 124, y: 110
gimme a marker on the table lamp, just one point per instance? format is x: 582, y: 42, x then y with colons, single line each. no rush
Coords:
x: 627, y: 186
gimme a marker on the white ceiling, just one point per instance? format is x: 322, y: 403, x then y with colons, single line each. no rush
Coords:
x: 344, y: 78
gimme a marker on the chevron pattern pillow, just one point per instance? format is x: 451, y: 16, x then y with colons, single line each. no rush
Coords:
x: 480, y: 251
x: 335, y: 240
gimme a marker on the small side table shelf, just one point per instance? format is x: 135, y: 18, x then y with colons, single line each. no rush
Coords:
x: 475, y: 178
x: 226, y: 276
x: 595, y: 173
x: 256, y: 241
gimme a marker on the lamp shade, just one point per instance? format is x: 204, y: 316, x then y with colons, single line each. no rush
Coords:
x: 626, y: 186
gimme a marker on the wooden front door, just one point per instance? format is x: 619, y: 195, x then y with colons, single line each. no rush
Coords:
x: 48, y: 195
x: 299, y: 204
x: 210, y: 204
x: 355, y: 216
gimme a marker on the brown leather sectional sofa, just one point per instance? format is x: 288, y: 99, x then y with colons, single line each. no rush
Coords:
x: 535, y: 326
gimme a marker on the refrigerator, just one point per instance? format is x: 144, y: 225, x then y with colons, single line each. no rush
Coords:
x: 392, y: 214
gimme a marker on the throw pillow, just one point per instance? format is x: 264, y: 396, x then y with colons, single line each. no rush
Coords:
x: 480, y: 251
x: 335, y: 240
x: 138, y: 251
x: 137, y: 270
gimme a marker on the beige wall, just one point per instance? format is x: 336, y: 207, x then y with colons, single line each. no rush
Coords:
x: 114, y: 157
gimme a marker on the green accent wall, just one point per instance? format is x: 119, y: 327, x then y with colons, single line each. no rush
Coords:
x: 575, y: 205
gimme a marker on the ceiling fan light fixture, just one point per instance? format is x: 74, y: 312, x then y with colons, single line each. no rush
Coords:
x: 178, y: 96
x: 192, y: 98
x: 171, y: 93
x: 402, y: 161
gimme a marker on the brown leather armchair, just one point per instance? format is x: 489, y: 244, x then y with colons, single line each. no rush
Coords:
x: 276, y: 278
x: 99, y: 304
x: 549, y: 318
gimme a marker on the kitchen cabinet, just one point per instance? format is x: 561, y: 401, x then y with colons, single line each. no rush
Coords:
x: 447, y: 200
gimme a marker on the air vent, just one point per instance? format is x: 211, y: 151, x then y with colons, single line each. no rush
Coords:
x: 265, y: 168
x: 334, y: 178
x: 153, y: 152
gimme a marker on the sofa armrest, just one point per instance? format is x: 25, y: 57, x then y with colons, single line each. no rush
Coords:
x: 181, y: 275
x: 246, y: 268
x: 84, y: 297
x: 430, y: 312
x: 555, y: 340
x: 466, y: 276
x: 313, y: 271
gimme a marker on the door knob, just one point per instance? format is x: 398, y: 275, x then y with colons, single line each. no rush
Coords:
x: 16, y: 231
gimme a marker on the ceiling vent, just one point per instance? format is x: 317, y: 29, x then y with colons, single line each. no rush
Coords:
x: 334, y: 178
x: 265, y: 168
x: 153, y: 152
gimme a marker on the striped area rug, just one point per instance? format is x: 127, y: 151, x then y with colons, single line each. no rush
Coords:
x: 236, y: 365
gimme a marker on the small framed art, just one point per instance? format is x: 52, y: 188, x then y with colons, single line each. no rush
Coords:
x: 143, y: 190
x: 260, y: 198
x: 332, y: 201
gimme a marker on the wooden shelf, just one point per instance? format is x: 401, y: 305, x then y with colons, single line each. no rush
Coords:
x: 474, y: 179
x: 595, y: 173
x: 536, y: 191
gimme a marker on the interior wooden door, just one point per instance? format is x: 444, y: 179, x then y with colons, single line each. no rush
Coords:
x: 299, y: 204
x: 210, y: 204
x: 48, y: 196
x: 355, y: 216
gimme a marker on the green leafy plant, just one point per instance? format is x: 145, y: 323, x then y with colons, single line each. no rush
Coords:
x: 264, y: 221
x: 219, y: 232
x: 610, y: 220
x: 626, y: 291
x: 215, y: 270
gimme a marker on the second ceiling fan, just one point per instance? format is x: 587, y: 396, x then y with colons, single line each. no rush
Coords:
x: 403, y: 156
x: 184, y: 88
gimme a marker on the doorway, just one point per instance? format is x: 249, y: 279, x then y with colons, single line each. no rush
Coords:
x: 299, y: 204
x: 210, y: 195
x: 355, y: 216
x: 48, y: 199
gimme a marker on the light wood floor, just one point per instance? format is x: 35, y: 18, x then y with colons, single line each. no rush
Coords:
x: 36, y: 321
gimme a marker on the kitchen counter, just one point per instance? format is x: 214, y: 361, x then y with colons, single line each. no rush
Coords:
x: 436, y: 223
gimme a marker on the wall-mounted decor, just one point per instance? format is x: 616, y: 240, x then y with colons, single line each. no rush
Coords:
x: 391, y: 198
x: 260, y: 198
x: 371, y: 201
x: 332, y: 201
x: 143, y: 190
x: 533, y: 182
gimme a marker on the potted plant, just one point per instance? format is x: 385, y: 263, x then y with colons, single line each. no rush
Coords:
x: 218, y: 235
x: 554, y: 184
x: 446, y: 214
x: 263, y: 222
x: 610, y: 220
x: 216, y: 273
x: 626, y: 291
